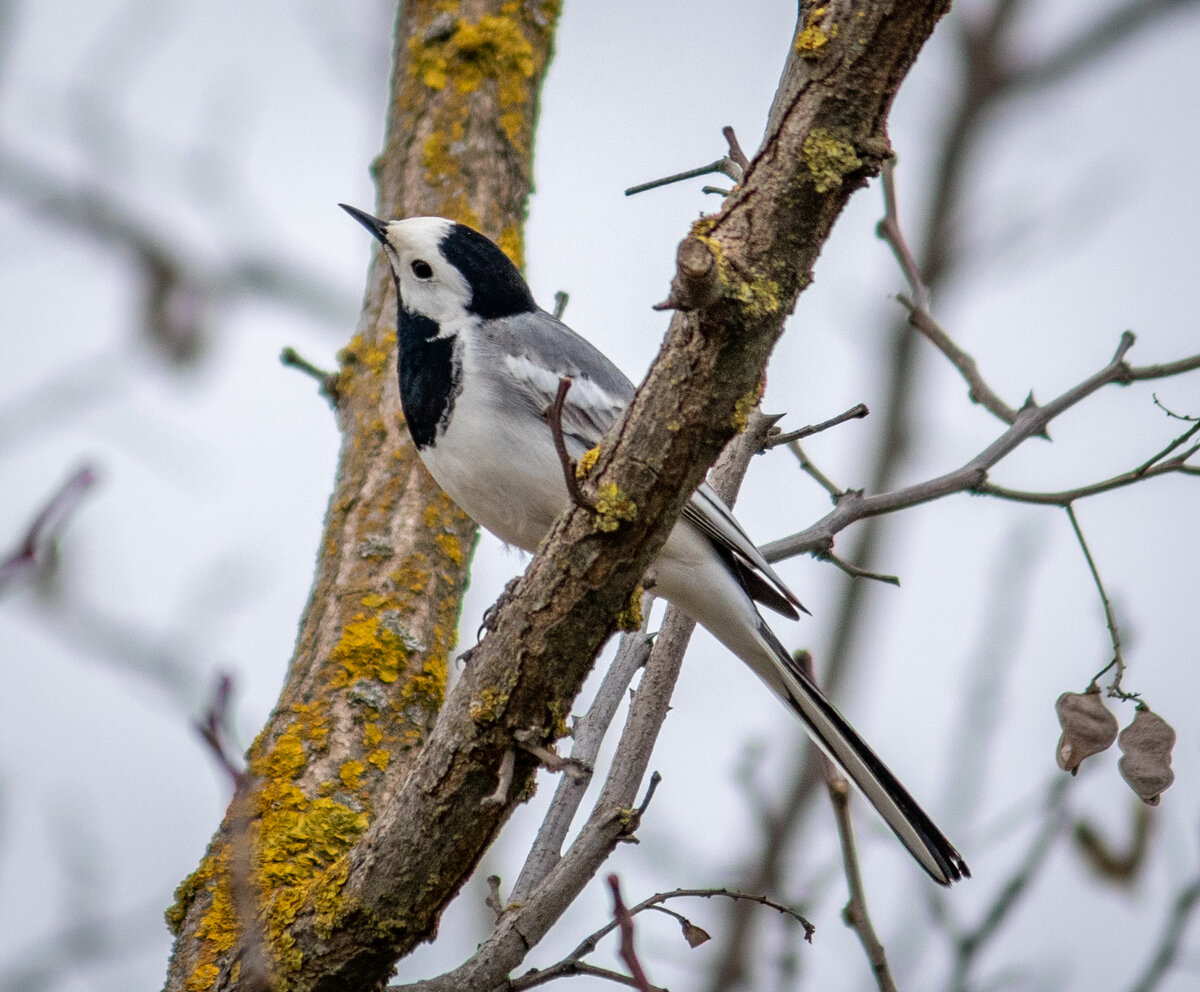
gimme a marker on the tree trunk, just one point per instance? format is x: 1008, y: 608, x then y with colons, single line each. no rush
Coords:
x: 368, y: 676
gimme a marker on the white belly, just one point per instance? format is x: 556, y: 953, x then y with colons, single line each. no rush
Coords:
x: 508, y: 481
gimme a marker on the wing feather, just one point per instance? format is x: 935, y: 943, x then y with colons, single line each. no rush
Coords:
x: 536, y: 350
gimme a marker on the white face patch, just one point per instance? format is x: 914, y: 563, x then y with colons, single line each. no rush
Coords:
x: 429, y: 285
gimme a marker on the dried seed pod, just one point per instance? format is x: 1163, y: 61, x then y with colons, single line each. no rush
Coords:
x: 694, y: 935
x: 1088, y: 727
x: 1146, y: 764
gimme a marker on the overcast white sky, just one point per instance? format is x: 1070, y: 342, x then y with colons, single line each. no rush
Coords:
x: 240, y: 126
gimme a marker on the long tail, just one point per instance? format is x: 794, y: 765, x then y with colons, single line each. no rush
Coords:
x: 842, y: 744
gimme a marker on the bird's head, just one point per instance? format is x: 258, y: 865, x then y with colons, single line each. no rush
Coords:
x: 445, y: 270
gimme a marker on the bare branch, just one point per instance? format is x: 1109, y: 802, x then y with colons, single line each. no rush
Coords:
x: 735, y: 151
x: 568, y: 968
x: 588, y: 944
x: 37, y: 544
x: 1112, y: 28
x: 807, y: 466
x: 624, y: 921
x: 978, y: 389
x: 100, y: 215
x: 858, y: 573
x: 1067, y: 496
x: 1032, y: 420
x: 856, y: 412
x: 504, y: 779
x: 890, y: 231
x: 588, y: 734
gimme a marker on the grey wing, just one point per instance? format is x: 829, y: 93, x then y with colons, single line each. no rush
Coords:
x: 708, y: 512
x: 534, y: 350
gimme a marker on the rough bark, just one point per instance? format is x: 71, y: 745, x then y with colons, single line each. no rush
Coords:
x: 367, y: 821
x: 369, y: 671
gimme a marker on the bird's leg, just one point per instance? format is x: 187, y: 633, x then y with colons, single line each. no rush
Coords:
x: 488, y: 622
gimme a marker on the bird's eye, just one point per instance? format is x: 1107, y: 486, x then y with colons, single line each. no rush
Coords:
x: 422, y: 270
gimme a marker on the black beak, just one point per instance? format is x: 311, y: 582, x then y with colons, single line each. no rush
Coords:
x: 373, y: 224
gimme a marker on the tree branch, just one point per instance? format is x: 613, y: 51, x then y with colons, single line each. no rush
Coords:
x: 1032, y: 420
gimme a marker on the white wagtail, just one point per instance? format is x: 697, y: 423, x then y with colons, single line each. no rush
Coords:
x: 480, y: 364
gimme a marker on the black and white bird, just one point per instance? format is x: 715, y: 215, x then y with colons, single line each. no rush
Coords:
x: 479, y: 366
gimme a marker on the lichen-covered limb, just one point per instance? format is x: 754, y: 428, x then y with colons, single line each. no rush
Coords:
x: 368, y: 675
x: 766, y: 240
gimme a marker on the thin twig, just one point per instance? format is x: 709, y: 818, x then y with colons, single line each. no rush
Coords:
x: 561, y: 299
x: 858, y: 573
x: 635, y: 816
x: 550, y: 759
x: 251, y: 957
x: 807, y: 466
x: 978, y: 391
x: 327, y: 382
x: 554, y: 418
x: 735, y: 149
x: 34, y: 547
x: 588, y: 944
x: 1110, y: 620
x: 733, y: 165
x: 494, y: 900
x: 724, y: 165
x: 1068, y: 496
x: 624, y: 921
x: 567, y: 968
x: 856, y: 412
x: 1171, y: 413
x: 890, y: 231
x: 855, y: 912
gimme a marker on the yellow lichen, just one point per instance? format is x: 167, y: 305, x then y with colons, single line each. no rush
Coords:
x: 368, y: 649
x: 744, y: 406
x: 815, y: 36
x: 587, y: 461
x: 828, y: 159
x: 362, y: 359
x: 450, y: 546
x: 379, y: 758
x: 613, y: 507
x: 491, y: 48
x: 351, y: 774
x: 202, y: 978
x: 630, y: 618
x: 488, y: 706
x: 301, y: 863
x: 512, y: 243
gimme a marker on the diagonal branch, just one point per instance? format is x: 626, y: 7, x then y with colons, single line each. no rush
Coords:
x: 1031, y: 421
